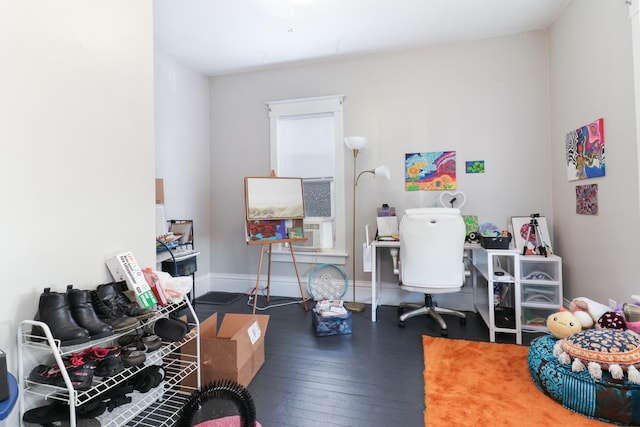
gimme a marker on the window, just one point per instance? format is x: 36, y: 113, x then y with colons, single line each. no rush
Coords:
x: 307, y: 142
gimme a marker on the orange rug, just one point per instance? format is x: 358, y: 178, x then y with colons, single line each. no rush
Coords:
x: 469, y: 383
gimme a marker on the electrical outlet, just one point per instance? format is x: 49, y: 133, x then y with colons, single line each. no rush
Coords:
x: 612, y: 304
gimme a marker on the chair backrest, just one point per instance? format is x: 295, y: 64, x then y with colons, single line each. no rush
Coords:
x: 432, y: 248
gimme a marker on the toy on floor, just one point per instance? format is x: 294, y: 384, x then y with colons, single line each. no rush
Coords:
x: 562, y: 324
x: 587, y: 311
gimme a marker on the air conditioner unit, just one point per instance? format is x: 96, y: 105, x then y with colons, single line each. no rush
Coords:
x: 319, y: 234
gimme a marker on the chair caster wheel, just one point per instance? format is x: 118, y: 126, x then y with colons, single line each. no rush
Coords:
x: 444, y: 333
x: 401, y: 324
x: 400, y: 310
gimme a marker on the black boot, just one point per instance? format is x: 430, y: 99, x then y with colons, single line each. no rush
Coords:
x: 54, y: 310
x: 85, y: 315
x: 127, y: 301
x: 105, y: 303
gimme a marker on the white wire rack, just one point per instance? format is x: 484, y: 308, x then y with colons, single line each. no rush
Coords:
x: 158, y: 407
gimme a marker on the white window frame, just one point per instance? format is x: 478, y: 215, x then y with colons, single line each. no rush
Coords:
x: 318, y: 105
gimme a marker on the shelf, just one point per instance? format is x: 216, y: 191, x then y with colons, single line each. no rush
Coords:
x: 176, y: 364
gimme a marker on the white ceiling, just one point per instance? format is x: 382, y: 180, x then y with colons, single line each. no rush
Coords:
x: 226, y: 36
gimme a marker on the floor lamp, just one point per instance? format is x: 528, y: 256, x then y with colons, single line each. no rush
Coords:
x: 355, y: 143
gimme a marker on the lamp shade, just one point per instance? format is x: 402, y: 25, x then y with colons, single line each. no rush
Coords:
x: 355, y: 142
x: 382, y: 171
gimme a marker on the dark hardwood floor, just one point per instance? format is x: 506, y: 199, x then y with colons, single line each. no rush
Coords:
x: 372, y: 377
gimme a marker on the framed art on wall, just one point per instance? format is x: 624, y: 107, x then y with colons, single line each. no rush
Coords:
x: 531, y: 236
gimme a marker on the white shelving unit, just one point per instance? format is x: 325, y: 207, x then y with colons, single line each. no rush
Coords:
x: 159, y: 407
x: 486, y: 263
x: 541, y: 290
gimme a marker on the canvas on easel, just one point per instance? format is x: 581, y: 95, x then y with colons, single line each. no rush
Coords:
x: 525, y: 235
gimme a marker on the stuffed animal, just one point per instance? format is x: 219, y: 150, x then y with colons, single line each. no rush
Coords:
x: 587, y: 311
x: 563, y: 324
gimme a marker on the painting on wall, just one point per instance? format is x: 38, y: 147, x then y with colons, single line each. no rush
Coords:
x: 434, y: 171
x: 474, y: 166
x: 585, y: 151
x: 587, y: 199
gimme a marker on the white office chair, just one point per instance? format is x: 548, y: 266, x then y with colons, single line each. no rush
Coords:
x: 431, y: 259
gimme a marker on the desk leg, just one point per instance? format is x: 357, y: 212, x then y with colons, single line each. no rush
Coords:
x: 374, y: 282
x: 255, y: 291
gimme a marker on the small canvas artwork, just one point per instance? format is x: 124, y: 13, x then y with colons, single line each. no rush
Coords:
x: 587, y: 199
x: 470, y: 223
x: 434, y: 171
x: 267, y: 230
x: 531, y: 234
x: 474, y: 166
x: 585, y: 151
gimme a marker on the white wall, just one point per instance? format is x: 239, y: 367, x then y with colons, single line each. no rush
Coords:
x: 487, y: 100
x: 76, y: 134
x: 591, y: 77
x: 182, y: 151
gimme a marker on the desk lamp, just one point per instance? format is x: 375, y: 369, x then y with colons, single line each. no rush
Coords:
x: 355, y: 143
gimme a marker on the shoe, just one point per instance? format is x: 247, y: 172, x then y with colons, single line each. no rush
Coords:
x: 80, y: 373
x: 127, y: 301
x: 131, y: 356
x: 147, y: 378
x: 143, y: 342
x: 54, y: 310
x: 85, y: 315
x: 171, y: 330
x: 105, y: 303
x: 108, y: 361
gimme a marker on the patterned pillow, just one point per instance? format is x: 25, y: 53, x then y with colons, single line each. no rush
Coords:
x: 615, y: 350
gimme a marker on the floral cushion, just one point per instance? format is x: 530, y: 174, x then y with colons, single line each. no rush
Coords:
x: 615, y: 350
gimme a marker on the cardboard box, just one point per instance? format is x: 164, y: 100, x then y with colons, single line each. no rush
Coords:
x: 235, y: 352
x: 325, y: 326
x: 124, y: 268
x: 159, y: 191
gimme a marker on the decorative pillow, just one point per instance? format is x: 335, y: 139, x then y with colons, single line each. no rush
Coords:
x: 612, y: 320
x: 612, y: 349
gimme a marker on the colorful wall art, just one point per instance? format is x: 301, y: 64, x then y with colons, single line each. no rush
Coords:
x: 585, y: 151
x: 474, y: 166
x: 587, y: 199
x: 434, y: 171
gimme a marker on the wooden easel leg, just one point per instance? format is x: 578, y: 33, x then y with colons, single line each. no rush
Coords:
x: 255, y: 291
x: 295, y: 265
x: 269, y: 275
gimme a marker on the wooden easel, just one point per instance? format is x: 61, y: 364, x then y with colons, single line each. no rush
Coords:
x: 263, y: 244
x: 295, y: 265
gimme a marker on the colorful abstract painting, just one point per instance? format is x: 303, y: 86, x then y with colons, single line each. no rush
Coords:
x: 587, y: 199
x: 474, y: 166
x: 585, y: 151
x: 434, y: 171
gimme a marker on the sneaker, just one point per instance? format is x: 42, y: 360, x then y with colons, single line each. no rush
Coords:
x: 143, y: 342
x: 132, y: 357
x: 80, y: 373
x: 108, y: 361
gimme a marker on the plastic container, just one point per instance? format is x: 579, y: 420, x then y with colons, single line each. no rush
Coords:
x: 154, y: 284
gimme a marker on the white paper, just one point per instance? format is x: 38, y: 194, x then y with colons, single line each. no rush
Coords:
x: 387, y: 226
x: 366, y: 258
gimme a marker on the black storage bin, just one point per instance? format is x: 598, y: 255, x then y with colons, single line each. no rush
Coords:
x: 184, y: 267
x: 496, y: 242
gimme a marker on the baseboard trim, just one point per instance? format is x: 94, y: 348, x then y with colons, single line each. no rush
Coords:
x: 287, y: 286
